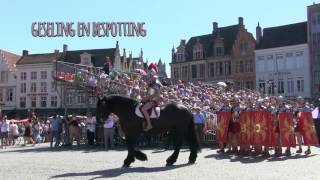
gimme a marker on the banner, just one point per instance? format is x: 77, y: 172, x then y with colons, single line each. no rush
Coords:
x: 246, y: 127
x: 308, y: 130
x: 223, y: 124
x: 261, y: 129
x: 286, y: 127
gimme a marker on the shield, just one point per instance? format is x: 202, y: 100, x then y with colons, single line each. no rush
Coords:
x: 286, y: 127
x: 245, y: 126
x: 261, y: 127
x: 308, y: 130
x: 223, y: 124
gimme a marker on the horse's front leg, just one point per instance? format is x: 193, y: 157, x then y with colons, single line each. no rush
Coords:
x: 177, y: 139
x: 130, y: 156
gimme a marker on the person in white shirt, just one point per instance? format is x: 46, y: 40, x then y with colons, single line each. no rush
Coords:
x: 91, y: 128
x: 4, y: 131
x: 109, y: 131
x: 13, y: 133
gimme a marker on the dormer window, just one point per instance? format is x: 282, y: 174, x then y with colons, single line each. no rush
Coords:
x: 198, y: 50
x: 86, y: 59
x: 219, y: 51
x: 180, y: 54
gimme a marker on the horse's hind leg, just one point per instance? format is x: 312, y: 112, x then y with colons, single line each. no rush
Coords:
x: 177, y: 139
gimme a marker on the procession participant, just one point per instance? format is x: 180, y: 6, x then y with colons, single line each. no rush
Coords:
x: 301, y: 107
x: 152, y: 99
x: 225, y: 108
x: 235, y: 114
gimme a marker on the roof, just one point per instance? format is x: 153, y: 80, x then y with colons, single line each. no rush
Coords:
x: 39, y: 58
x: 287, y: 35
x: 11, y: 58
x: 98, y: 57
x: 228, y: 33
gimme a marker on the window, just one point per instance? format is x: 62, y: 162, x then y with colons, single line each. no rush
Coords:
x: 9, y: 94
x: 262, y: 86
x: 300, y: 85
x: 4, y: 77
x: 281, y: 62
x: 194, y: 71
x: 260, y: 57
x: 185, y: 72
x: 281, y: 87
x: 43, y: 87
x: 270, y: 65
x: 23, y: 87
x: 43, y: 74
x: 33, y: 88
x: 219, y: 51
x: 22, y: 102
x: 69, y: 99
x: 80, y: 98
x: 175, y: 73
x: 211, y: 69
x: 54, y: 101
x: 318, y: 18
x: 1, y: 94
x: 241, y: 67
x: 202, y: 70
x: 251, y: 66
x: 227, y: 68
x: 53, y: 86
x: 249, y: 84
x: 43, y: 101
x: 289, y: 55
x: 271, y: 87
x: 270, y: 57
x: 23, y: 76
x: 243, y: 48
x: 220, y: 68
x: 197, y: 52
x: 33, y: 75
x: 290, y: 86
x: 33, y: 101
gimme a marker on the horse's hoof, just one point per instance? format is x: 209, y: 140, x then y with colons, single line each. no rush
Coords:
x: 125, y: 166
x: 169, y: 165
x: 191, y: 162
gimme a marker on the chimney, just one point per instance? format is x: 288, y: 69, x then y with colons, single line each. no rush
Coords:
x: 56, y: 51
x: 25, y: 53
x: 214, y: 26
x: 183, y: 42
x: 258, y: 33
x: 65, y: 48
x: 241, y: 21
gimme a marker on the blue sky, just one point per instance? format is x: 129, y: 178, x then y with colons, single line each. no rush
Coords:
x: 167, y: 21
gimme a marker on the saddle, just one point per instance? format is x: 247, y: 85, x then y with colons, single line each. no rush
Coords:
x: 153, y: 112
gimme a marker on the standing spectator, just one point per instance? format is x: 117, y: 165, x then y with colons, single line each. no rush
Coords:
x: 109, y: 132
x: 91, y: 128
x: 14, y: 131
x: 28, y: 134
x: 199, y: 120
x: 4, y: 131
x: 56, y: 124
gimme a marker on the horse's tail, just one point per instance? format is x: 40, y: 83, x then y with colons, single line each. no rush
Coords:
x: 192, y: 136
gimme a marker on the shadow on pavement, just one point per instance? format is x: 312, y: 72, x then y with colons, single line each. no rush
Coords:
x: 111, y: 173
x: 255, y: 159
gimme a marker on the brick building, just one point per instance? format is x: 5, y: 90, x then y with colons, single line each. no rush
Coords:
x: 225, y: 54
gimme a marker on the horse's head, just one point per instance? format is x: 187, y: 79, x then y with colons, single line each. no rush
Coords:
x: 104, y: 107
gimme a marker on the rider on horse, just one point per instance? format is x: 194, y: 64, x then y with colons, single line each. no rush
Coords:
x: 152, y: 99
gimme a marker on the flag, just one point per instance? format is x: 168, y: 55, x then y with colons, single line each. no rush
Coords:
x: 223, y: 124
x: 245, y: 127
x: 315, y: 113
x: 308, y: 130
x: 261, y: 128
x: 286, y: 126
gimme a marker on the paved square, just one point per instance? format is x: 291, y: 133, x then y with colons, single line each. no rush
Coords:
x: 40, y: 162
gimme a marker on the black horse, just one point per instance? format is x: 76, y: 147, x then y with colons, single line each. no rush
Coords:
x: 174, y: 118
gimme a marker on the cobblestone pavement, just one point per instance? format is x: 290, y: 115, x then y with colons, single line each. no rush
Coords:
x: 39, y: 162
